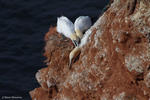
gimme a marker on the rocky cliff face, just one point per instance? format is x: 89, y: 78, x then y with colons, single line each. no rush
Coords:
x: 114, y: 64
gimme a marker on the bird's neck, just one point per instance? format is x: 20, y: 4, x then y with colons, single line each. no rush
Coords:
x: 73, y: 36
x: 79, y: 33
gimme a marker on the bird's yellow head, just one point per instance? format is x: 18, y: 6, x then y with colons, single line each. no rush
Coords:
x: 75, y: 39
x: 73, y: 55
x: 79, y: 33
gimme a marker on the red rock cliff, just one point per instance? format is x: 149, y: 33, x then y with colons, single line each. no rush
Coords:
x: 114, y: 64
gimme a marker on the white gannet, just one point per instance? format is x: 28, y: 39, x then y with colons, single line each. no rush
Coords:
x: 66, y: 27
x: 81, y: 24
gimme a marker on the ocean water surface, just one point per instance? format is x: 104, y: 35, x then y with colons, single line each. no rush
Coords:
x: 23, y: 24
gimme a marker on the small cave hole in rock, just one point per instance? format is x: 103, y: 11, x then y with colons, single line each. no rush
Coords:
x: 148, y: 67
x: 139, y: 77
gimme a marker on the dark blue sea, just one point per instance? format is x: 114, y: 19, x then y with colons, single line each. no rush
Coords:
x: 23, y: 24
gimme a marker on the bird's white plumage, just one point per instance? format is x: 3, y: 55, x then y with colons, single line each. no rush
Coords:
x: 65, y: 26
x: 82, y: 23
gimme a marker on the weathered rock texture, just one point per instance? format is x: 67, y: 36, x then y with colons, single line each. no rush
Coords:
x: 113, y: 65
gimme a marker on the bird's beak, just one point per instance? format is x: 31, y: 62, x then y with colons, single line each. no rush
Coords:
x: 75, y: 42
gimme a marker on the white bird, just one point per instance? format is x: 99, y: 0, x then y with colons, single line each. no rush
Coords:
x: 81, y: 24
x: 66, y: 27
